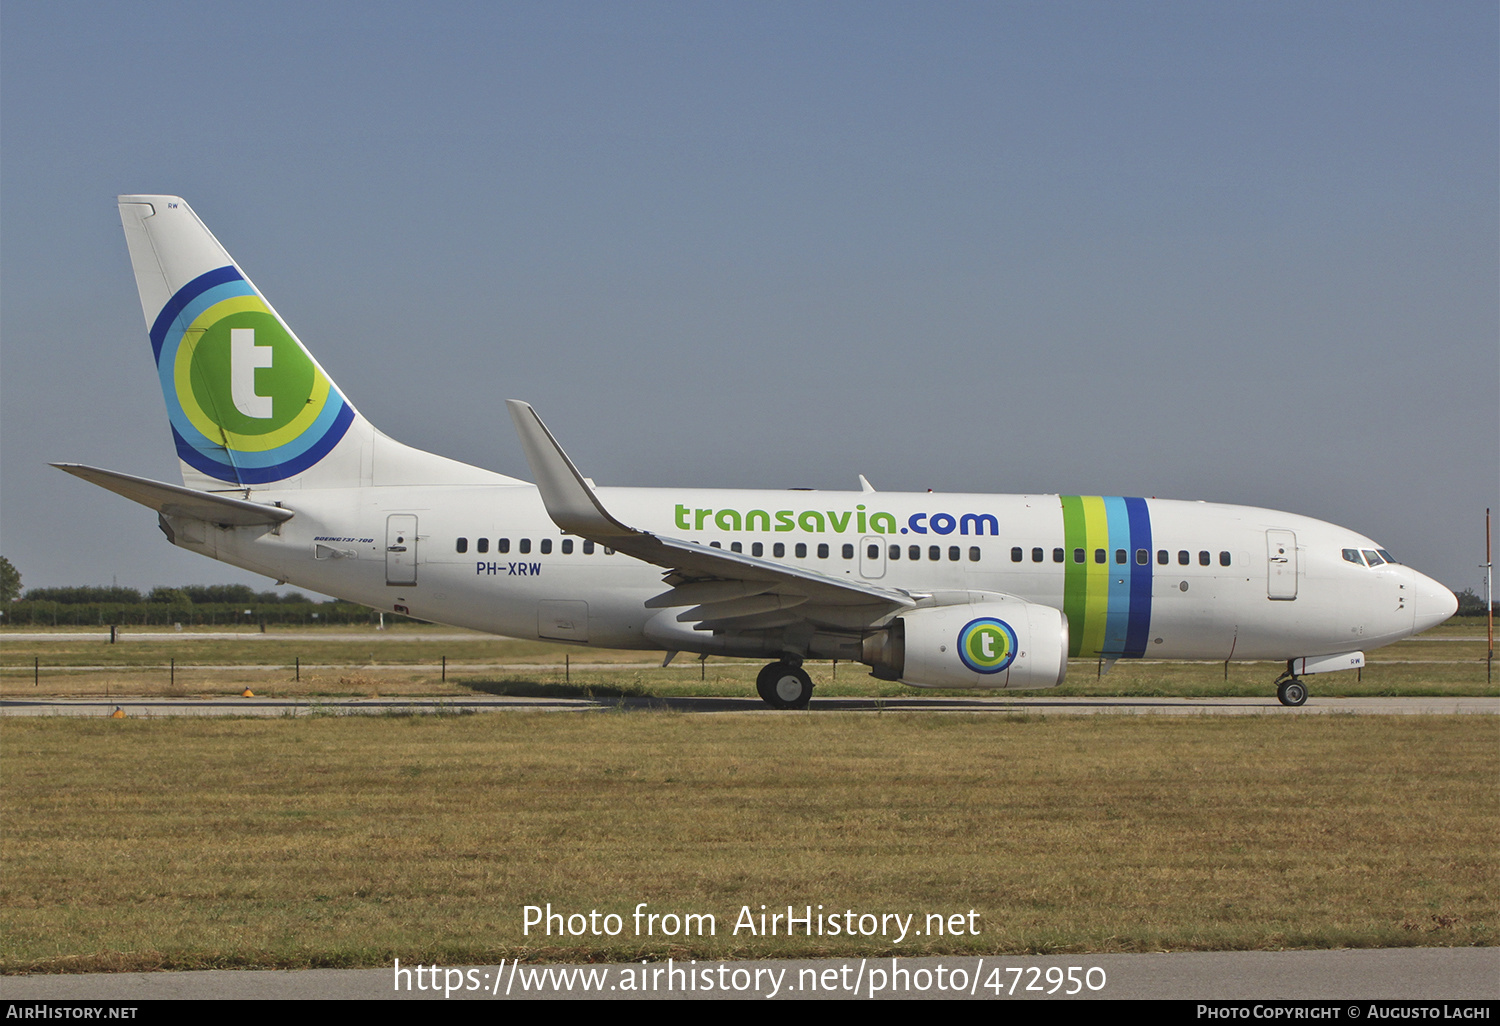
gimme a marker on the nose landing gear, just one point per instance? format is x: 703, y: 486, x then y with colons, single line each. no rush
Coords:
x: 1290, y: 690
x: 784, y: 685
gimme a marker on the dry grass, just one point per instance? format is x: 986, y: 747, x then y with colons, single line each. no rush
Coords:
x: 350, y: 841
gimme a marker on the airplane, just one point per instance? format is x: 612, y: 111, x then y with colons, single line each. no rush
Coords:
x: 282, y: 476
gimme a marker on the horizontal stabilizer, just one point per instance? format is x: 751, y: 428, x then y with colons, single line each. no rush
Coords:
x: 177, y: 501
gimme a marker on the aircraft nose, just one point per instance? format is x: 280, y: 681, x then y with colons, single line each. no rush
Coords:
x: 1431, y: 602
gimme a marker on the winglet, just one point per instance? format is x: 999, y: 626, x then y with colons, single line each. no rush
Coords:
x: 570, y: 502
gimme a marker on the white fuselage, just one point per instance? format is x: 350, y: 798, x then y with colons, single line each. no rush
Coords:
x: 1150, y: 578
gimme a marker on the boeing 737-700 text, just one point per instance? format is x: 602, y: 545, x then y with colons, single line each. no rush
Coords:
x: 283, y: 477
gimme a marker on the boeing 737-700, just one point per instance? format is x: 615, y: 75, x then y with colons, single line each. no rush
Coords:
x: 282, y: 476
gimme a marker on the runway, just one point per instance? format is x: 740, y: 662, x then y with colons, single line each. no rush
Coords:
x: 156, y: 708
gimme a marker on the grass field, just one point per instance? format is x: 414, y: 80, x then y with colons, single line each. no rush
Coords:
x: 408, y: 660
x: 343, y: 841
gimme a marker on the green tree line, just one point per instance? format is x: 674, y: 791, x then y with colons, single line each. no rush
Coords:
x: 190, y: 605
x: 50, y: 613
x: 197, y: 594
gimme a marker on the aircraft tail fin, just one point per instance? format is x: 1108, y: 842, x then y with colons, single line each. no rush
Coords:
x: 249, y: 405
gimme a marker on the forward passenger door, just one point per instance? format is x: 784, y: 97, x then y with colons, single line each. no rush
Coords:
x: 1281, y: 565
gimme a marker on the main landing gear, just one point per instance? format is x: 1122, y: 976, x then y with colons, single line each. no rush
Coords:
x: 1290, y: 690
x: 784, y: 685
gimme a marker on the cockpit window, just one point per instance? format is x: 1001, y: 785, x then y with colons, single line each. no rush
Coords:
x: 1372, y: 557
x: 1352, y: 555
x: 1386, y: 556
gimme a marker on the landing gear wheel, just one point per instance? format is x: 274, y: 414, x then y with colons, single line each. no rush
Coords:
x: 784, y: 686
x: 1291, y: 691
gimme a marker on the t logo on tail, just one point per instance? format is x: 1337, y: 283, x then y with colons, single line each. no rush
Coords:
x: 244, y: 357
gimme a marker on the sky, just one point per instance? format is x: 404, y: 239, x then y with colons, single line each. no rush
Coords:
x: 1243, y: 252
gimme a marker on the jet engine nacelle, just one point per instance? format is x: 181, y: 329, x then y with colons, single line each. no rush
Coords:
x: 992, y: 641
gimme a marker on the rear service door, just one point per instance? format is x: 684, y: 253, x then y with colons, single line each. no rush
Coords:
x: 401, y: 549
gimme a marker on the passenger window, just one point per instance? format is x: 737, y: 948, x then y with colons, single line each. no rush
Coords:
x: 934, y: 553
x: 1224, y: 559
x: 567, y: 546
x: 974, y: 553
x: 546, y: 546
x: 1163, y: 557
x: 914, y: 552
x: 847, y: 551
x: 1037, y: 555
x: 462, y: 546
x: 1372, y: 557
x: 1203, y: 557
x: 1078, y: 555
x: 1142, y: 557
x: 822, y: 550
x: 1015, y: 554
x: 778, y: 550
x: 502, y: 544
x: 757, y: 549
x: 716, y: 545
x: 1121, y: 556
x: 525, y: 545
x: 736, y: 547
x: 895, y: 552
x: 588, y: 548
x: 1100, y: 556
x: 1183, y: 557
x: 872, y: 551
x: 482, y: 545
x: 953, y: 553
x: 1057, y: 555
x: 801, y: 550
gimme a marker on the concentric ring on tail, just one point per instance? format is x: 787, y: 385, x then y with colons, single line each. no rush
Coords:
x: 246, y: 402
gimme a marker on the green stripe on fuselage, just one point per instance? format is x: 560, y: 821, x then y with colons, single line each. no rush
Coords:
x: 1086, y: 584
x: 1075, y: 575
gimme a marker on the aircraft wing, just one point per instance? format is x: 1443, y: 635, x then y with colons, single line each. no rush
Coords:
x: 728, y: 591
x: 177, y: 501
